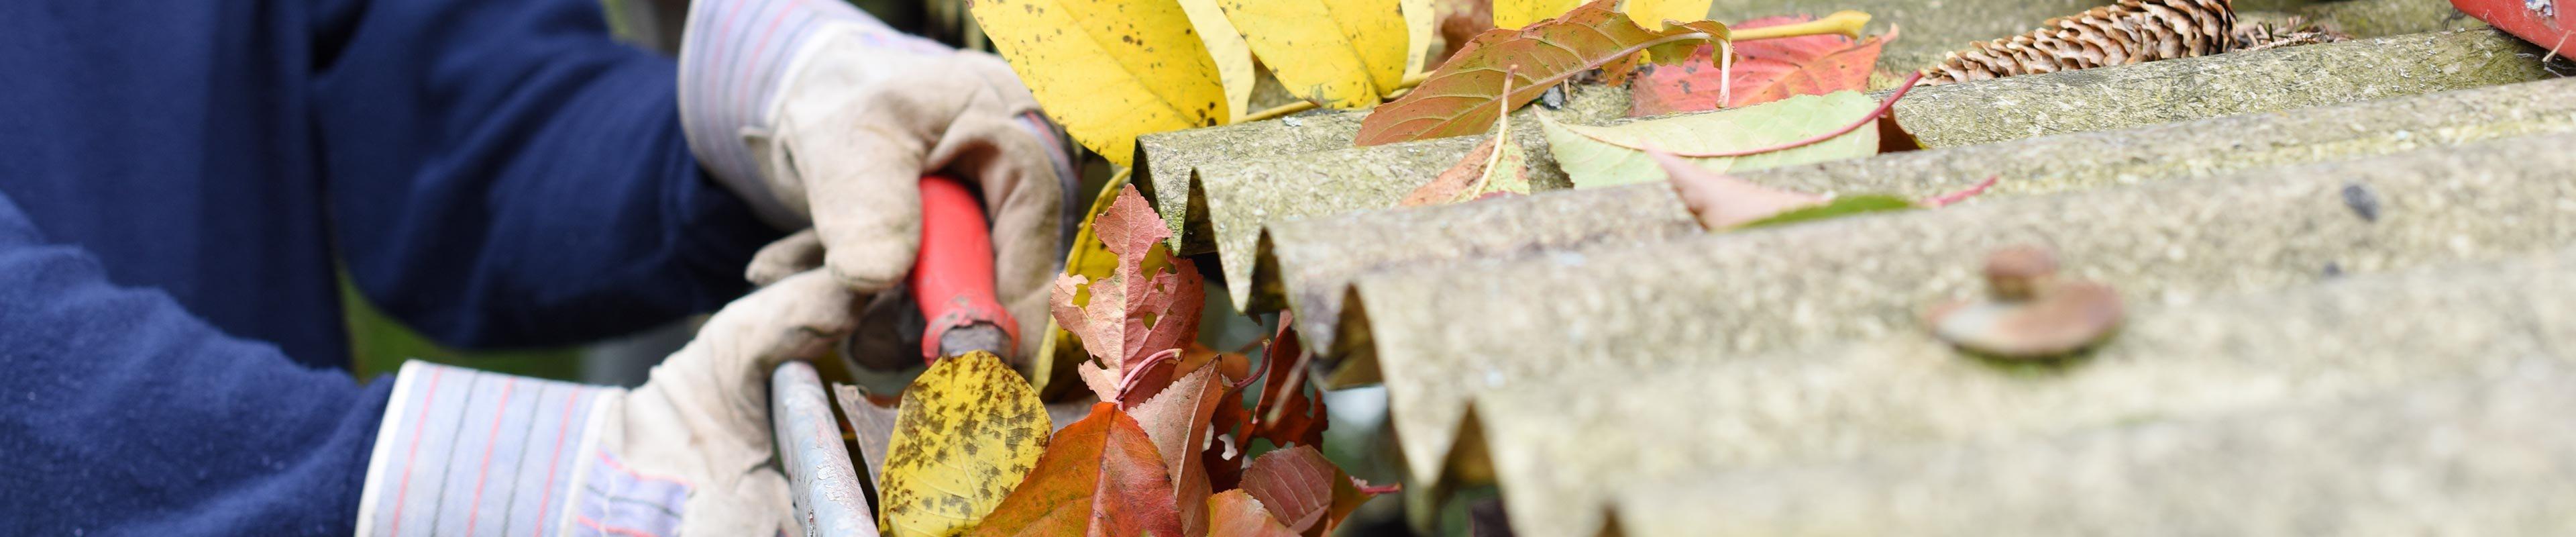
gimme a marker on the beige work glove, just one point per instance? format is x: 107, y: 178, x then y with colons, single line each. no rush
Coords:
x: 839, y: 124
x: 466, y: 452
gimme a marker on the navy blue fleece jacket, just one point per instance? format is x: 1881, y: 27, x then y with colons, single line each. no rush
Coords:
x: 177, y: 179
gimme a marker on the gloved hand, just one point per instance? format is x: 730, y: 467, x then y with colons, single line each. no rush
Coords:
x: 688, y: 453
x: 821, y: 116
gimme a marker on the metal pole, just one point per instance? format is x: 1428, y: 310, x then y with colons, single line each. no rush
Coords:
x: 829, y: 501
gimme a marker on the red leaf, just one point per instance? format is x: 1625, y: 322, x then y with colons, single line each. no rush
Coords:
x: 1460, y: 97
x: 1723, y: 201
x: 1287, y: 415
x: 1306, y: 492
x: 1765, y: 70
x: 1099, y: 476
x: 1236, y: 514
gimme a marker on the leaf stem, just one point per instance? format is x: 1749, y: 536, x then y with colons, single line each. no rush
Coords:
x: 1864, y: 121
x: 1848, y: 23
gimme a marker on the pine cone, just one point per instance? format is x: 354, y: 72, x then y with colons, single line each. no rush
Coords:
x: 2129, y: 32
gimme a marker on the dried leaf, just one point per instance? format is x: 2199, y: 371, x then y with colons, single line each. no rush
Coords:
x: 1109, y: 70
x: 968, y: 429
x: 1336, y: 53
x: 1226, y: 47
x: 1460, y: 97
x: 1652, y: 14
x: 1177, y: 419
x: 1724, y: 202
x: 1515, y: 14
x: 872, y: 425
x: 1133, y: 313
x: 1608, y: 156
x: 1287, y: 415
x: 1100, y: 476
x: 1306, y: 492
x: 1497, y: 165
x: 1765, y: 70
x: 1237, y: 514
x: 1461, y: 20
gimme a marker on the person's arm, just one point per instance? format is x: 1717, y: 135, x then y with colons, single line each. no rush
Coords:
x: 503, y: 174
x: 121, y: 412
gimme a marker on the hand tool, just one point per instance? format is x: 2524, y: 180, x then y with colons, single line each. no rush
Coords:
x: 952, y: 283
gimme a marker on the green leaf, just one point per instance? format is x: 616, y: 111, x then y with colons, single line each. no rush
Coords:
x: 1839, y: 207
x: 1613, y: 155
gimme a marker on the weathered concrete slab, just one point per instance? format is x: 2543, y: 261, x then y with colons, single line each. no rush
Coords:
x: 2487, y: 456
x: 2211, y: 86
x: 1164, y: 161
x: 1442, y: 335
x: 1312, y: 261
x: 1562, y: 447
x: 1240, y: 196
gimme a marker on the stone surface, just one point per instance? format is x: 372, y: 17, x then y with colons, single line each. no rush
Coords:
x: 2484, y: 455
x: 1561, y: 447
x: 1165, y: 160
x: 1443, y: 334
x: 2211, y: 86
x: 1312, y: 261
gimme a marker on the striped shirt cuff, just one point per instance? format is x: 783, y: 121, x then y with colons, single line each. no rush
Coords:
x: 735, y: 55
x: 466, y: 452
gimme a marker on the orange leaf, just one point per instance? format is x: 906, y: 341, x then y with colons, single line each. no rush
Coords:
x: 1460, y: 97
x: 1237, y: 514
x: 1765, y: 70
x: 1099, y: 476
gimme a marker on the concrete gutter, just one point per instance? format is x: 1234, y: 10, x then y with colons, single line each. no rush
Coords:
x: 1313, y: 261
x: 1440, y: 335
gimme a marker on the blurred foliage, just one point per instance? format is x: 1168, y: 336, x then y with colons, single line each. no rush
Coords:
x: 378, y: 344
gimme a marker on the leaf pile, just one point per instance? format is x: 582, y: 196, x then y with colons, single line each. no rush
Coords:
x: 1169, y: 432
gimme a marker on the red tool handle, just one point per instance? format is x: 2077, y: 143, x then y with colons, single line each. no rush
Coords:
x: 952, y: 279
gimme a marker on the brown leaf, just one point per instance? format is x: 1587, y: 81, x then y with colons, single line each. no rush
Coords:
x: 1177, y: 419
x: 1237, y: 514
x: 1723, y: 201
x: 1099, y: 476
x: 1306, y: 492
x: 1287, y: 415
x: 1461, y: 20
x: 1496, y: 166
x: 1764, y: 70
x: 1460, y: 97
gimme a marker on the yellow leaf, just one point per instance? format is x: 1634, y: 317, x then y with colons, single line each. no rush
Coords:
x: 1651, y: 14
x: 1226, y: 46
x: 1513, y: 14
x: 1336, y: 53
x: 969, y: 428
x: 1420, y: 24
x: 1109, y: 70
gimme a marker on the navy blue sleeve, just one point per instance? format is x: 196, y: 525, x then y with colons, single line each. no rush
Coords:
x: 503, y: 174
x: 126, y: 414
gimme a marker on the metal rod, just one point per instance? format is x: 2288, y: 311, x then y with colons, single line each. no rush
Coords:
x: 829, y: 501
